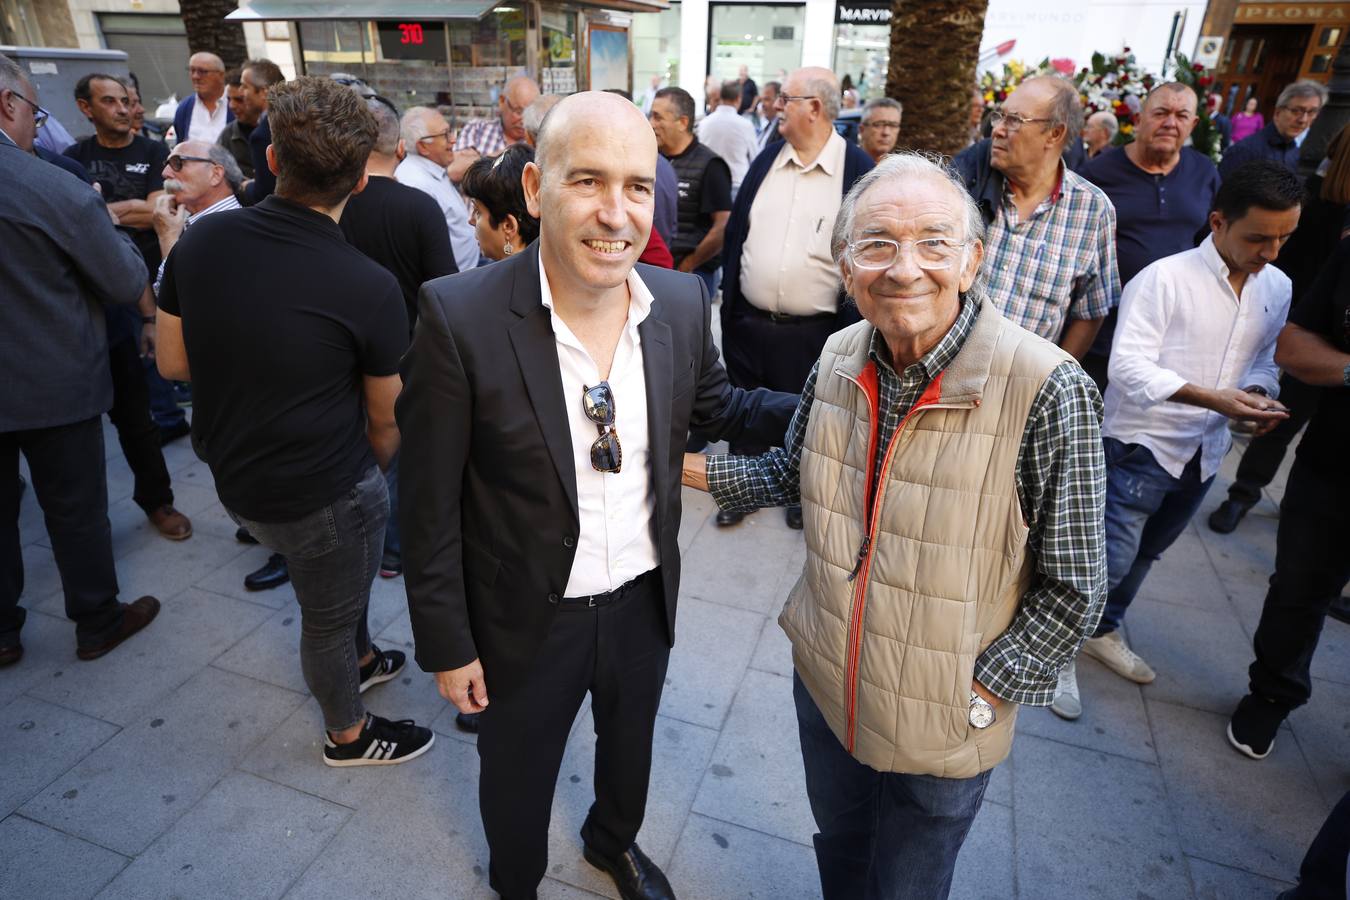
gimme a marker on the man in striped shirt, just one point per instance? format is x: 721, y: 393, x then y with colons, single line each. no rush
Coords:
x: 1050, y: 257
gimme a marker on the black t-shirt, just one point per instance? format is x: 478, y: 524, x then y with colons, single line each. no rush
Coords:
x: 133, y: 172
x: 278, y: 347
x: 1325, y: 309
x: 402, y: 229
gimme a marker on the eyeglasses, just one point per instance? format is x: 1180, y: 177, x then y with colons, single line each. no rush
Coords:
x: 881, y: 253
x: 1012, y: 121
x: 40, y: 115
x: 1302, y: 112
x: 788, y: 98
x: 198, y: 70
x: 598, y: 402
x: 889, y: 126
x: 431, y: 137
x: 176, y: 160
x: 515, y: 110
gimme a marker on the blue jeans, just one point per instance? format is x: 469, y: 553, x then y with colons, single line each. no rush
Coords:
x: 1146, y: 511
x: 710, y: 280
x: 883, y: 835
x: 333, y: 554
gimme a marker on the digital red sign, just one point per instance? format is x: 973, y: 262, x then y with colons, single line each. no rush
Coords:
x: 412, y: 40
x: 410, y: 33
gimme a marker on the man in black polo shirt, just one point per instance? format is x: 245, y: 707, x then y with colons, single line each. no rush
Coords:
x: 705, y: 187
x: 402, y: 229
x: 1311, y: 563
x: 128, y: 169
x: 294, y: 363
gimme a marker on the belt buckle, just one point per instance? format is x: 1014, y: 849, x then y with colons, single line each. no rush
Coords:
x: 590, y: 601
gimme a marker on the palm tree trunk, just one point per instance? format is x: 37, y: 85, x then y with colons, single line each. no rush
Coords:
x: 935, y: 46
x: 207, y: 30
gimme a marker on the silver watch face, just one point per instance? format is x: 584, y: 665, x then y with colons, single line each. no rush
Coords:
x: 981, y: 713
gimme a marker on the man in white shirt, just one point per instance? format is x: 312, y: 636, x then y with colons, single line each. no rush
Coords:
x: 203, y: 114
x: 725, y: 133
x: 1194, y: 350
x: 545, y: 406
x: 430, y: 150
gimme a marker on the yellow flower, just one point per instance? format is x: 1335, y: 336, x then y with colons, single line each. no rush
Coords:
x: 989, y: 96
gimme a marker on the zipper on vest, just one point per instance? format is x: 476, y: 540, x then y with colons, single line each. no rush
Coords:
x: 862, y: 554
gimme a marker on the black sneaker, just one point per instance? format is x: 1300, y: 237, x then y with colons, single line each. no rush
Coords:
x: 1252, y: 728
x: 384, y: 667
x: 391, y: 565
x: 382, y: 743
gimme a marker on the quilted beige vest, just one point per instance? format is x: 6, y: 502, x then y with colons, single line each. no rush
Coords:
x: 889, y: 654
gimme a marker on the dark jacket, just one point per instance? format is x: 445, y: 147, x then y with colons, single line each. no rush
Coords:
x: 986, y: 183
x: 488, y: 501
x: 234, y: 138
x: 856, y: 164
x: 264, y: 183
x: 182, y: 117
x: 1267, y: 143
x: 62, y: 262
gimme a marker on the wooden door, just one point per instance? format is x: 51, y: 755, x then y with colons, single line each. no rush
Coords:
x: 1258, y: 61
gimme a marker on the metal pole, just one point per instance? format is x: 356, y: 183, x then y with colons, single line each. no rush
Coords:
x: 1334, y: 116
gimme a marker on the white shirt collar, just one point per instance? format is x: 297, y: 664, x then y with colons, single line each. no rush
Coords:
x: 437, y: 172
x: 1209, y: 254
x: 228, y: 202
x: 640, y: 298
x: 829, y: 160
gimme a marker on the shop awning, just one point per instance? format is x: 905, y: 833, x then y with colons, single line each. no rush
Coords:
x: 404, y: 10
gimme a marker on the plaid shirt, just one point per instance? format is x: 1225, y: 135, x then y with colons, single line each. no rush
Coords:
x: 1060, y: 264
x: 484, y: 135
x: 1061, y: 484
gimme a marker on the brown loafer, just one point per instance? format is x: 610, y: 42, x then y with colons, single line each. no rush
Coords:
x: 10, y: 655
x: 171, y: 523
x: 135, y: 616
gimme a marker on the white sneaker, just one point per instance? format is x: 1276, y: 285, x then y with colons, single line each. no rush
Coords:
x: 1067, y: 705
x: 1111, y: 651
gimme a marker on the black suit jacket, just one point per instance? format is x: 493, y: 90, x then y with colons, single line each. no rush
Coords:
x: 487, y: 494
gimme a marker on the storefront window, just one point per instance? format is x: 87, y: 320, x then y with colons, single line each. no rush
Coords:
x: 403, y: 61
x: 767, y: 40
x: 863, y: 53
x: 497, y: 39
x: 558, y: 51
x: 656, y: 48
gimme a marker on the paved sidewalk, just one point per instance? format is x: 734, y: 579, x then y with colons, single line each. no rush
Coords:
x: 186, y: 763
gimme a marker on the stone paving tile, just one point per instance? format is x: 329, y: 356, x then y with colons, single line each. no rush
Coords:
x: 1183, y: 576
x: 1000, y: 789
x: 278, y: 830
x: 741, y: 566
x: 698, y: 510
x: 1257, y: 816
x: 1113, y: 719
x: 1201, y: 658
x: 40, y: 863
x: 228, y: 579
x: 39, y: 742
x: 756, y: 777
x: 713, y: 645
x: 718, y: 860
x: 984, y: 870
x: 419, y: 836
x: 679, y: 752
x: 1322, y: 728
x: 48, y: 646
x: 191, y: 629
x: 1216, y: 882
x: 270, y: 653
x: 124, y: 794
x: 1067, y: 799
x: 773, y: 652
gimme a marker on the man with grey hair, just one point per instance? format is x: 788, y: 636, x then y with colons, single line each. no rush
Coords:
x: 950, y: 469
x: 430, y: 150
x: 1051, y: 245
x: 203, y: 114
x: 1295, y: 110
x: 534, y: 115
x: 781, y: 295
x: 200, y: 178
x: 879, y: 131
x: 1099, y: 131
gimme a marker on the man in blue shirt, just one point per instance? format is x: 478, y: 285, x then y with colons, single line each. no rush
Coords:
x: 1162, y: 192
x: 1295, y: 110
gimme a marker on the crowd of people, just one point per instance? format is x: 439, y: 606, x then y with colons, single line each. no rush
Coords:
x: 990, y: 393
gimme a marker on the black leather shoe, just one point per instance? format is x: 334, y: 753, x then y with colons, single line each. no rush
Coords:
x: 636, y: 876
x: 174, y: 432
x: 273, y: 574
x: 726, y: 518
x: 1340, y: 609
x: 467, y: 722
x: 1228, y: 515
x: 243, y: 536
x: 793, y: 515
x: 10, y: 655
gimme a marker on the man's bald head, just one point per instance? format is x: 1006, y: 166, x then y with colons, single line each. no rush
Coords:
x: 807, y: 120
x: 516, y: 96
x: 589, y: 110
x: 207, y: 72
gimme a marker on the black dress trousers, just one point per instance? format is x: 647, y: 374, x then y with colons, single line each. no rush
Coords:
x: 617, y: 652
x: 778, y: 355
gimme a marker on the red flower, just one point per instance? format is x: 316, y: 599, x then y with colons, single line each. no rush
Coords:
x: 1198, y: 67
x: 1205, y: 80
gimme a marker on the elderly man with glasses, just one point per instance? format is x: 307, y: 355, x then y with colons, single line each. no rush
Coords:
x: 204, y: 113
x: 880, y: 128
x: 949, y: 466
x: 1295, y: 111
x: 1051, y: 245
x: 429, y: 145
x: 489, y: 137
x: 781, y: 295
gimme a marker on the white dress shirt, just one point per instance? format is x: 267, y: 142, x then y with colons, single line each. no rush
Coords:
x: 787, y: 265
x: 732, y: 138
x: 419, y: 172
x: 1180, y: 323
x: 206, y: 125
x: 617, y: 542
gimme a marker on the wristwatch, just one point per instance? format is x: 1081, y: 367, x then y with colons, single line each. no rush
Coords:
x: 981, y: 712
